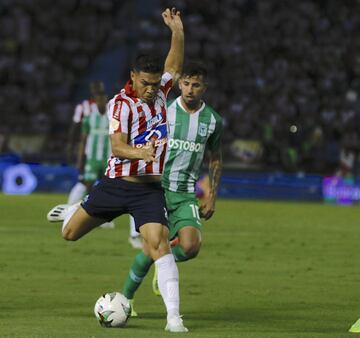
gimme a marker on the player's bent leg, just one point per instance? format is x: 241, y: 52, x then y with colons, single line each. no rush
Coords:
x: 189, y: 244
x: 78, y: 224
x: 155, y: 236
x: 185, y: 247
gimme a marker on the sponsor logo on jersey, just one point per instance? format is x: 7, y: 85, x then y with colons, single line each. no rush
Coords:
x: 156, y: 119
x: 116, y: 112
x: 157, y: 135
x: 202, y: 131
x: 185, y: 145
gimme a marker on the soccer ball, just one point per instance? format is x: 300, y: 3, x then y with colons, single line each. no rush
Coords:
x: 112, y: 310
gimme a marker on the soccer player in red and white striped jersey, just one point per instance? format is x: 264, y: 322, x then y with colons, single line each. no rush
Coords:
x: 144, y: 123
x: 138, y: 134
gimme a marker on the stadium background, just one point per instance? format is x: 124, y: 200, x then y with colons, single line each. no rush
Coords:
x: 285, y: 76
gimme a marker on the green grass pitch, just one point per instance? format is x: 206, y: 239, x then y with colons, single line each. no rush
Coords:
x: 266, y: 269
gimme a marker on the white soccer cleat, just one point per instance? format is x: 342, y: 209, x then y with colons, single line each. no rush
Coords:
x: 175, y: 324
x: 58, y: 213
x: 108, y: 225
x: 135, y: 242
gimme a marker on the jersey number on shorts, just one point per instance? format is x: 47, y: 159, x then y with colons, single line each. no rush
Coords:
x: 195, y: 211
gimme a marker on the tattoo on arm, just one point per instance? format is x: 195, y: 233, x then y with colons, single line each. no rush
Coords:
x: 215, y: 167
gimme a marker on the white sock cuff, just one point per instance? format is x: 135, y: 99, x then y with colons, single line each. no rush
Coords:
x: 164, y: 260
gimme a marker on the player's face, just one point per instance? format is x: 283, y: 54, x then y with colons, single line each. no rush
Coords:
x: 192, y: 89
x: 146, y: 85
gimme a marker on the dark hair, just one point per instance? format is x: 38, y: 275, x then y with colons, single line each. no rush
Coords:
x: 97, y: 87
x: 147, y: 64
x: 195, y: 68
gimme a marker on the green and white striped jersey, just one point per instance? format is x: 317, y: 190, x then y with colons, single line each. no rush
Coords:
x: 96, y: 127
x: 189, y: 134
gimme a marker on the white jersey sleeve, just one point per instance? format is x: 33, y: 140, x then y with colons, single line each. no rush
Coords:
x: 118, y: 114
x: 166, y: 83
x: 78, y: 113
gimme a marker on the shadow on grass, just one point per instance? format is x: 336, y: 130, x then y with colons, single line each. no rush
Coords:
x: 290, y: 318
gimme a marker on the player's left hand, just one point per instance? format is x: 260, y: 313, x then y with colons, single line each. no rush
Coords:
x: 207, y: 208
x: 172, y: 19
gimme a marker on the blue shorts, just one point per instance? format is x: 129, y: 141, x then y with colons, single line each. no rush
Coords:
x: 112, y: 197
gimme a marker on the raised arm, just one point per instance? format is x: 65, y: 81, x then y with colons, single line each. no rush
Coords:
x: 175, y: 58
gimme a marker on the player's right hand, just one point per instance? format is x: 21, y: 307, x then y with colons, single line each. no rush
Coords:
x: 148, y: 153
x: 172, y: 19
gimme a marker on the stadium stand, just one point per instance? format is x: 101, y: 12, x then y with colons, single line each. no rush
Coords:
x: 285, y: 74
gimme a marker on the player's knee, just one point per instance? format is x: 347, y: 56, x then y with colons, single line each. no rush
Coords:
x: 154, y: 244
x: 158, y: 243
x: 191, y: 248
x: 69, y: 235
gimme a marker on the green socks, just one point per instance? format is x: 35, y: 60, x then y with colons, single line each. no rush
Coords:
x: 138, y: 271
x: 179, y: 254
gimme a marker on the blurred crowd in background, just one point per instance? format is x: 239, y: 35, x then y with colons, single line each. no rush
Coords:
x: 284, y: 74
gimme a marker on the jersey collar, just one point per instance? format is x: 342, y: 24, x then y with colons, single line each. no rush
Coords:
x: 129, y: 91
x: 183, y: 108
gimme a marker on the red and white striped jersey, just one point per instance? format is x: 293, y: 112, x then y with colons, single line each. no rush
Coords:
x: 84, y: 109
x: 143, y: 123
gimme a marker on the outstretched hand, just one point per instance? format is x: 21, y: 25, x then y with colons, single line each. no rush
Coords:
x: 172, y: 19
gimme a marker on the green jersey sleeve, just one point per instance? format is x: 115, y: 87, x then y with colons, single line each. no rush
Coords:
x: 214, y: 141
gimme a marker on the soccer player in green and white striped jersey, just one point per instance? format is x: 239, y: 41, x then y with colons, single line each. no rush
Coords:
x: 194, y: 127
x: 94, y: 146
x: 82, y: 110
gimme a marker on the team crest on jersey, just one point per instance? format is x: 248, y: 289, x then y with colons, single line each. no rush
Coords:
x: 202, y: 131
